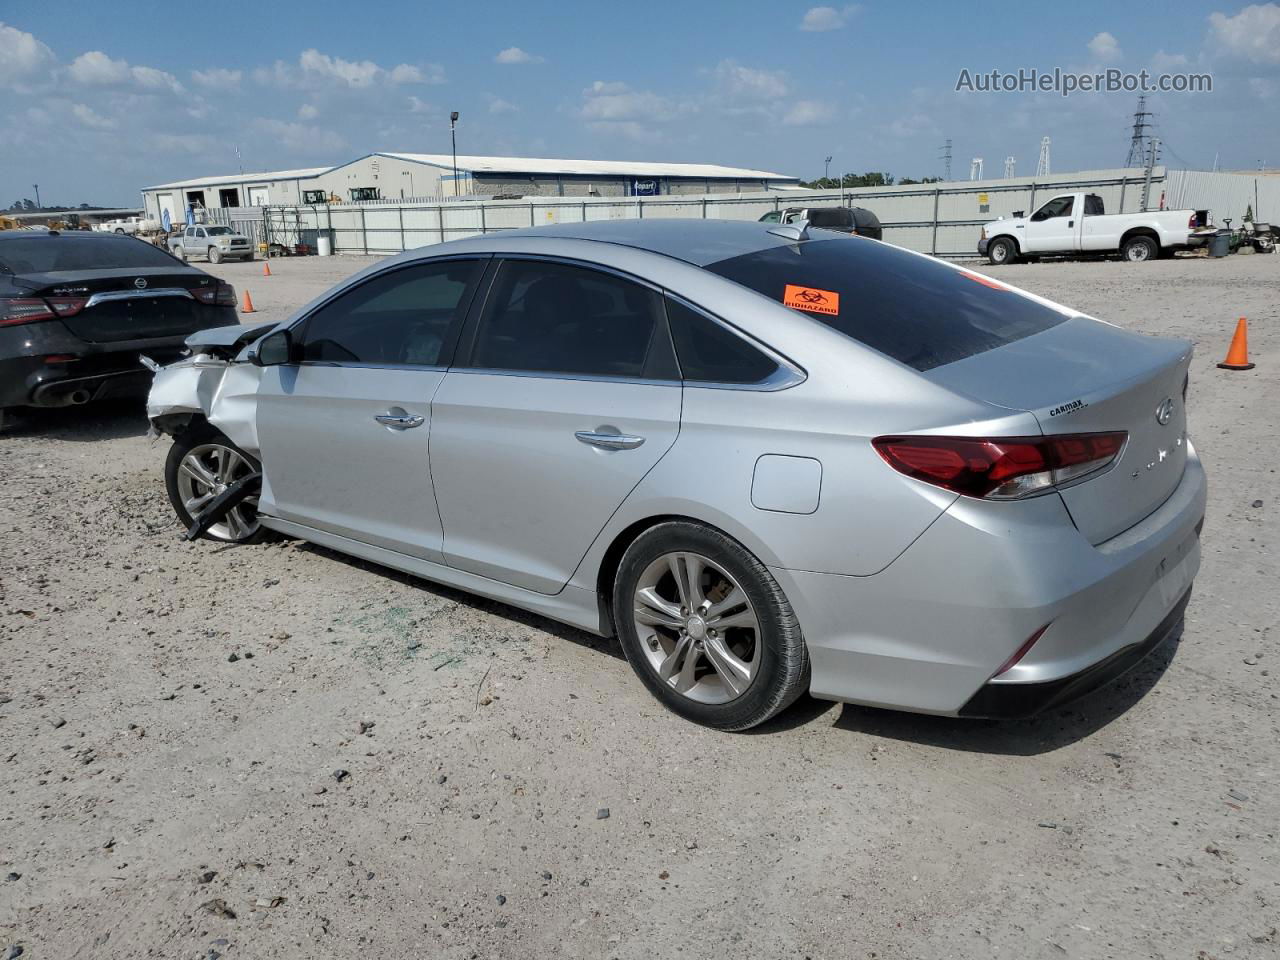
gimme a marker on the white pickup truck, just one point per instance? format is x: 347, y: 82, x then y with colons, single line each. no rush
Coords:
x: 1076, y: 223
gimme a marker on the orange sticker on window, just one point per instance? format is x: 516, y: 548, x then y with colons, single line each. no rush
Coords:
x: 811, y: 299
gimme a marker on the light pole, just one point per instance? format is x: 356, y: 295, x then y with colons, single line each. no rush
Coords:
x: 453, y: 139
x: 37, y: 189
x: 826, y: 169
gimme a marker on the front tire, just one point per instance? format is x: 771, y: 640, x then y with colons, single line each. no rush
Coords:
x: 1139, y: 250
x: 706, y: 627
x: 215, y: 255
x: 202, y: 462
x: 1002, y: 251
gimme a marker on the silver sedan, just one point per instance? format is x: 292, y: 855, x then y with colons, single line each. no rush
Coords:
x: 770, y: 460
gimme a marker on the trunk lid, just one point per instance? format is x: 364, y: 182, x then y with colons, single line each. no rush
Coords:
x: 1084, y: 376
x: 131, y: 303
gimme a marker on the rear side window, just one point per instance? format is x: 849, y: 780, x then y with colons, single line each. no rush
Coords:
x: 916, y: 310
x: 56, y: 253
x: 402, y: 317
x: 711, y: 353
x: 837, y: 217
x: 547, y: 317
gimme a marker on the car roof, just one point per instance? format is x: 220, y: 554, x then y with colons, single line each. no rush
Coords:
x: 28, y: 234
x: 699, y: 242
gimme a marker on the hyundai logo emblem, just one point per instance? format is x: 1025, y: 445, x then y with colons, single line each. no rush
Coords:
x: 141, y: 284
x: 1164, y: 412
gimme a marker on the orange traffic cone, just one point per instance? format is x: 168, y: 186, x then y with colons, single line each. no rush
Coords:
x: 1238, y: 354
x: 266, y: 269
x: 247, y: 307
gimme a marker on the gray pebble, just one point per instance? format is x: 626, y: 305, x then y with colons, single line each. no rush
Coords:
x: 1256, y: 504
x: 1048, y: 825
x: 57, y: 722
x: 13, y: 876
x: 501, y: 899
x: 441, y: 779
x: 233, y: 658
x: 1237, y: 795
x: 341, y: 774
x: 15, y: 951
x: 602, y: 813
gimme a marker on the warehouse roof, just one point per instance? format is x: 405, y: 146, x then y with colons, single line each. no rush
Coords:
x: 587, y: 167
x: 302, y: 174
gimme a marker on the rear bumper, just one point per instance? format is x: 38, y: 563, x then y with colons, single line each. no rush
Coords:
x: 928, y: 632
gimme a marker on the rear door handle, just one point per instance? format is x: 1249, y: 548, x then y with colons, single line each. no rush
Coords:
x: 400, y: 421
x: 609, y: 441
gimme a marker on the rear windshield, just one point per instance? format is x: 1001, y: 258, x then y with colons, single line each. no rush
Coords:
x: 918, y: 311
x: 53, y: 253
x: 830, y: 217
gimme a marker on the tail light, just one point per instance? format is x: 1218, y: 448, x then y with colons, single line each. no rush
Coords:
x: 14, y: 311
x: 1001, y: 468
x: 67, y: 306
x: 222, y: 295
x: 1192, y: 222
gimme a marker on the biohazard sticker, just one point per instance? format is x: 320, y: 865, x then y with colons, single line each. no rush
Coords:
x: 811, y: 299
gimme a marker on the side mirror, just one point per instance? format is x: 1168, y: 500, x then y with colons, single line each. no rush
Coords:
x: 272, y: 350
x: 1018, y: 213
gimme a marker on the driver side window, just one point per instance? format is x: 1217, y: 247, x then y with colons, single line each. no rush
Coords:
x: 1057, y: 207
x: 402, y: 317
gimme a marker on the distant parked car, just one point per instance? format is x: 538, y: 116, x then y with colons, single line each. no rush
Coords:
x: 77, y: 309
x: 857, y: 220
x: 128, y: 225
x: 212, y: 242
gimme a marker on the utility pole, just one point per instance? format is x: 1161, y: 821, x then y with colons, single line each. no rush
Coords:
x: 1042, y: 166
x: 946, y: 159
x: 453, y: 140
x: 826, y: 169
x: 1138, y: 143
x: 1146, y: 181
x: 36, y: 187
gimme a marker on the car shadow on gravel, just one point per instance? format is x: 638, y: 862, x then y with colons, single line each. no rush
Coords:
x: 90, y: 422
x: 562, y: 631
x: 1045, y: 733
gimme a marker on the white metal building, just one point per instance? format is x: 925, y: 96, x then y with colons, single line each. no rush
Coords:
x: 395, y: 176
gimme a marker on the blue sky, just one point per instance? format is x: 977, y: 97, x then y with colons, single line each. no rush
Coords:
x: 100, y: 99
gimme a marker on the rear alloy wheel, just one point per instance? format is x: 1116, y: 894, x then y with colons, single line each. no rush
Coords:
x: 201, y: 464
x: 707, y: 628
x: 1139, y: 249
x: 215, y: 255
x: 1002, y: 251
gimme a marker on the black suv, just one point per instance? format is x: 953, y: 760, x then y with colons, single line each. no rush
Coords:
x: 76, y: 310
x: 857, y: 220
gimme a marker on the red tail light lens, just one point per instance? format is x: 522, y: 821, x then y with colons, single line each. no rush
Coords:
x: 1192, y: 222
x: 13, y: 312
x: 67, y: 306
x: 222, y: 295
x: 1001, y: 468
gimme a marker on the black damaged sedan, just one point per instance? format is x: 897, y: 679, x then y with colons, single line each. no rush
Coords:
x: 77, y: 310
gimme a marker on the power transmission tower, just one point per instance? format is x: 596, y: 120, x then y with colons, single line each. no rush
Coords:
x: 946, y: 159
x: 1009, y: 163
x: 975, y: 168
x: 1042, y: 166
x: 1138, y: 145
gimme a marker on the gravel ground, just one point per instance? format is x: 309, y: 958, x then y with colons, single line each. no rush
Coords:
x: 274, y: 751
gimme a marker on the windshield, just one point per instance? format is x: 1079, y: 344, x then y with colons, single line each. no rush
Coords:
x: 50, y: 253
x: 219, y: 231
x: 915, y: 309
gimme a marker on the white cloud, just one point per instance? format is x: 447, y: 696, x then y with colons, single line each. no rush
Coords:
x: 748, y: 83
x: 21, y: 54
x: 617, y: 101
x: 1168, y: 61
x: 217, y: 79
x: 417, y: 105
x: 91, y: 118
x: 308, y: 111
x: 807, y: 113
x: 316, y: 70
x: 1104, y: 46
x: 498, y: 105
x: 913, y: 125
x: 298, y: 137
x: 516, y: 55
x: 96, y: 69
x: 1253, y: 33
x: 822, y: 19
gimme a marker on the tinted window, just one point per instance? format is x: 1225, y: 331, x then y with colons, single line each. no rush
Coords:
x: 831, y: 217
x: 53, y: 252
x: 219, y: 231
x: 914, y: 309
x: 405, y: 316
x: 1093, y: 206
x: 547, y: 317
x: 711, y: 353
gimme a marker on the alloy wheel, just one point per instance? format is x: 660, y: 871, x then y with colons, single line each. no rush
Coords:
x: 697, y: 628
x: 206, y: 471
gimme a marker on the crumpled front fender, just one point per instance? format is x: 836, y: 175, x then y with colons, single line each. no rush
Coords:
x: 223, y: 393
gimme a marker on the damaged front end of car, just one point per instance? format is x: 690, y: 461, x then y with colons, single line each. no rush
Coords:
x: 213, y: 384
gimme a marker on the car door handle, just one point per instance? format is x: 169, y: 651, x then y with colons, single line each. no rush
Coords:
x: 400, y: 421
x: 1071, y: 223
x: 609, y: 441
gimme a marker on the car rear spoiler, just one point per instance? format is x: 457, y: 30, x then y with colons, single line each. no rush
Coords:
x: 226, y: 342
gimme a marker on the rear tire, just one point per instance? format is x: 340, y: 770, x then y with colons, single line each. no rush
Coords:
x: 1139, y: 250
x: 1002, y: 251
x: 180, y: 254
x: 199, y: 456
x: 734, y: 675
